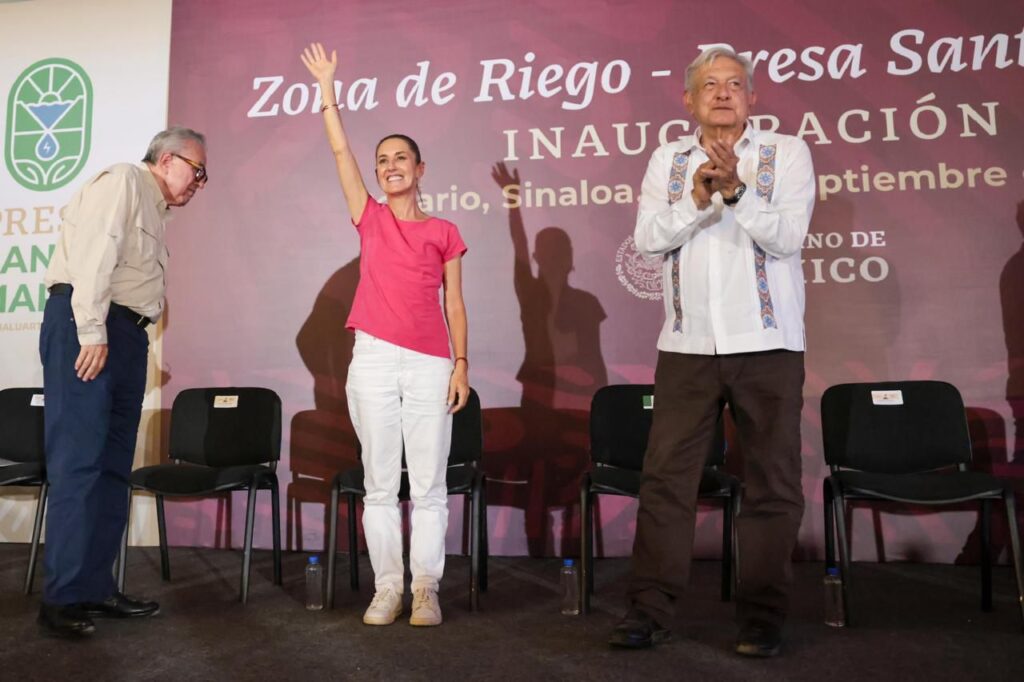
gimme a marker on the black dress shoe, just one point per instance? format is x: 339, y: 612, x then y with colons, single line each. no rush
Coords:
x: 637, y: 630
x: 759, y: 639
x: 61, y: 620
x: 119, y: 606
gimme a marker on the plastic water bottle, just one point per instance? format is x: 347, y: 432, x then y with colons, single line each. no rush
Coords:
x: 570, y: 578
x: 834, y: 615
x: 314, y: 584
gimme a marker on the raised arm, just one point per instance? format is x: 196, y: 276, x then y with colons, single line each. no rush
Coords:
x: 522, y: 270
x: 315, y: 59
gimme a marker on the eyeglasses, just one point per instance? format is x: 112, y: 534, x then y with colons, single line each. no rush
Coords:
x: 201, y: 174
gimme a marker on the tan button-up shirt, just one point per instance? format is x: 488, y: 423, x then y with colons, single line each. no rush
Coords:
x: 111, y: 248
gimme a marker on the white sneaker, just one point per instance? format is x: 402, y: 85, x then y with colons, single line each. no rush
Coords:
x: 385, y: 607
x: 425, y: 609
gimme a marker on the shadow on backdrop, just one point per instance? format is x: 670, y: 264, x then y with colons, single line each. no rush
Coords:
x: 988, y: 445
x: 1011, y: 298
x: 995, y: 451
x: 323, y: 441
x: 540, y: 449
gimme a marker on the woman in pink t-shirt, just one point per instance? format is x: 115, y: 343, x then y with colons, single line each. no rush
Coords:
x: 403, y: 384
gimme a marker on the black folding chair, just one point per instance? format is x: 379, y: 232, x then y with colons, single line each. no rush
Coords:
x: 905, y: 441
x: 21, y: 445
x: 464, y: 477
x: 620, y: 422
x: 222, y: 439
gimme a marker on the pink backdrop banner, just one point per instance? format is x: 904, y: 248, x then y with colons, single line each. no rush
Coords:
x: 536, y: 121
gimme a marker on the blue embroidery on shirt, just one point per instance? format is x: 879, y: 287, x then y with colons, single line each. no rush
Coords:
x: 765, y: 189
x: 676, y: 183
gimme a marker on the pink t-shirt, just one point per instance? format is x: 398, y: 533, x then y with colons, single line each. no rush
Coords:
x: 400, y: 271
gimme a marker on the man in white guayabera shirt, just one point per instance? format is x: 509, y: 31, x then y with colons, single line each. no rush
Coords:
x: 727, y: 208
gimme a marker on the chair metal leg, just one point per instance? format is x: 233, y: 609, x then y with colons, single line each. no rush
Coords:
x: 353, y: 545
x: 474, y: 546
x: 986, y: 555
x: 332, y: 544
x: 37, y: 529
x: 586, y: 545
x: 830, y: 531
x: 844, y: 547
x: 727, y: 532
x: 466, y: 536
x: 484, y: 548
x: 405, y: 514
x: 1018, y: 569
x: 275, y: 516
x: 161, y: 524
x: 250, y: 518
x: 122, y: 556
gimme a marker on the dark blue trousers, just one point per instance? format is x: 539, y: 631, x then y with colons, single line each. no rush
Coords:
x: 91, y: 429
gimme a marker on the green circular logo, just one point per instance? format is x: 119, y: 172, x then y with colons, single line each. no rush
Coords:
x: 49, y: 118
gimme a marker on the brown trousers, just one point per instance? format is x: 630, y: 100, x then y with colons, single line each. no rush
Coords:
x: 764, y: 391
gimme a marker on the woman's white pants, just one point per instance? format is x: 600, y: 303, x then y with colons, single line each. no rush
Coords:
x: 396, y: 396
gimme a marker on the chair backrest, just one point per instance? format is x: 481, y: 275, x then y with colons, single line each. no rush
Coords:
x: 894, y: 427
x: 21, y: 425
x: 222, y: 427
x: 620, y: 423
x: 467, y: 433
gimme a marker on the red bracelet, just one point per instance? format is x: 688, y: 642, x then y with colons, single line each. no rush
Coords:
x: 466, y: 360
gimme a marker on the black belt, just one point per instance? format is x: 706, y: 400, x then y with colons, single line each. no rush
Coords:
x: 140, y: 321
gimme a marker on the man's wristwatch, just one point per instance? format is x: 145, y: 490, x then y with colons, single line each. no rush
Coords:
x: 735, y: 198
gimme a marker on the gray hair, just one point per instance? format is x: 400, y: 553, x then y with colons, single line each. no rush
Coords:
x: 711, y: 54
x: 172, y: 140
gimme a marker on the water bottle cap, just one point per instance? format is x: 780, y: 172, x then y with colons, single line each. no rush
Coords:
x: 567, y: 562
x: 832, y: 571
x: 314, y: 559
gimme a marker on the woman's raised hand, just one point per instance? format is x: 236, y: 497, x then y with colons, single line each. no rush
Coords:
x: 315, y: 59
x: 322, y: 69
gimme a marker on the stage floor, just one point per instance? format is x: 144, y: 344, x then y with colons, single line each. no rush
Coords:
x: 915, y: 622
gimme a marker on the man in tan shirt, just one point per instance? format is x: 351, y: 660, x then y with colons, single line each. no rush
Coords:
x: 106, y: 283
